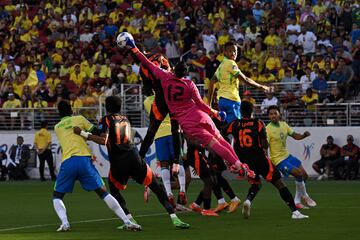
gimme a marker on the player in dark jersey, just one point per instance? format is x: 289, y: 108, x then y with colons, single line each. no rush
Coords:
x: 125, y: 161
x: 250, y: 144
x: 159, y: 109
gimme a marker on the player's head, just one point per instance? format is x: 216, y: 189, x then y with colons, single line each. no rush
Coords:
x: 246, y: 109
x: 274, y: 113
x: 113, y: 104
x: 160, y: 61
x: 64, y: 108
x: 181, y: 69
x: 230, y: 50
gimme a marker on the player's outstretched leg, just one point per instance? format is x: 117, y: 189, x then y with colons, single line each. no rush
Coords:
x: 253, y: 190
x: 301, y: 193
x: 161, y: 195
x: 288, y: 199
x: 116, y: 208
x: 60, y: 210
x: 224, y: 184
x: 182, y: 183
x: 120, y: 199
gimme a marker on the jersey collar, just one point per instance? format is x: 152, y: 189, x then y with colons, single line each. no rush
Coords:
x: 65, y: 118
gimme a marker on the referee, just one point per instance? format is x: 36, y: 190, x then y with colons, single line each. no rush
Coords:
x: 42, y: 144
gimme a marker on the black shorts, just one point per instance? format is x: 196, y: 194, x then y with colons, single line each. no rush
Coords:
x: 216, y: 163
x: 128, y: 164
x: 262, y: 166
x: 197, y: 159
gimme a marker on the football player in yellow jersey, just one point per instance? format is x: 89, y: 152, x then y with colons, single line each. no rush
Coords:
x: 165, y: 154
x: 277, y: 132
x: 77, y: 165
x: 228, y: 75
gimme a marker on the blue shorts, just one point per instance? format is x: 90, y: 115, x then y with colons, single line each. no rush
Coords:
x: 288, y: 164
x: 164, y: 148
x: 78, y: 168
x: 231, y: 108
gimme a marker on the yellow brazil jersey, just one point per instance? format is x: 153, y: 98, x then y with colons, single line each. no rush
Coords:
x: 307, y: 100
x: 165, y: 127
x: 12, y: 103
x: 228, y: 81
x: 72, y: 144
x: 42, y: 138
x: 277, y: 135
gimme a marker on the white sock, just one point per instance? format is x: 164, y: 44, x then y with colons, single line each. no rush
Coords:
x: 182, y: 178
x: 173, y: 215
x: 116, y: 208
x: 300, y: 187
x: 221, y: 201
x: 235, y: 199
x: 129, y: 216
x: 60, y: 210
x: 165, y: 176
x: 248, y: 201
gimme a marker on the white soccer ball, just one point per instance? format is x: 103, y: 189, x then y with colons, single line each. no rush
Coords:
x: 122, y: 38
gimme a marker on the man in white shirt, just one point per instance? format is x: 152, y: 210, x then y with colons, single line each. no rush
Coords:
x: 87, y: 35
x: 209, y: 40
x: 268, y: 101
x: 307, y: 40
x: 307, y: 79
x: 292, y: 31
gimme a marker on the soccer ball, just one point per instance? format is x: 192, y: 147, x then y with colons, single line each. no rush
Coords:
x: 122, y: 38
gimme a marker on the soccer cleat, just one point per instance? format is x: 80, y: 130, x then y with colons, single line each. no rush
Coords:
x: 131, y: 227
x: 298, y: 215
x: 182, y: 198
x: 179, y: 224
x: 123, y: 227
x: 195, y: 208
x: 64, y: 228
x: 146, y: 194
x: 221, y: 206
x: 233, y: 206
x: 308, y: 201
x: 300, y: 206
x: 172, y: 201
x: 246, y: 209
x: 209, y: 213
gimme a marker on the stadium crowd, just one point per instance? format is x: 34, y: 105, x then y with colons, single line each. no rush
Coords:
x: 63, y: 49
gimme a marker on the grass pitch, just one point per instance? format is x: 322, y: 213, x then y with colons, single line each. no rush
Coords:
x: 27, y: 213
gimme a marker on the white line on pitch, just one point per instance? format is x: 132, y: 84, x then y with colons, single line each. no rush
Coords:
x: 76, y: 222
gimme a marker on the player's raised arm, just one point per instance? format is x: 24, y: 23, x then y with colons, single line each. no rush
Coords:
x: 252, y: 82
x: 129, y: 43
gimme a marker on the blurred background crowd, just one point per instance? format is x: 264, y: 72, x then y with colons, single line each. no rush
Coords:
x: 65, y: 49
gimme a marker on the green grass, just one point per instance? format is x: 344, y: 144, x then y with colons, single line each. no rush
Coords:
x: 24, y: 205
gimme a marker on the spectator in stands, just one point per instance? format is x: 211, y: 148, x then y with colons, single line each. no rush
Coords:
x: 320, y: 85
x: 19, y: 155
x: 349, y: 159
x: 247, y: 97
x: 270, y: 100
x: 329, y: 153
x: 12, y: 115
x: 306, y: 80
x: 131, y: 77
x: 43, y: 91
x: 75, y: 103
x: 289, y: 78
x: 267, y: 77
x: 309, y: 100
x: 209, y: 40
x: 109, y: 88
x: 307, y: 40
x: 292, y: 30
x: 42, y: 144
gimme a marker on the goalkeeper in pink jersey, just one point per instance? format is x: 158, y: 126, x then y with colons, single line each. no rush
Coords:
x: 185, y: 104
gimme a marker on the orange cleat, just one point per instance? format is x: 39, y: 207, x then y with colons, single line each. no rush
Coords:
x: 221, y: 206
x: 209, y: 213
x: 195, y: 208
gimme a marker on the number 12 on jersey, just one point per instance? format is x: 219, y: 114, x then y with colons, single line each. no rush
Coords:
x: 176, y: 93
